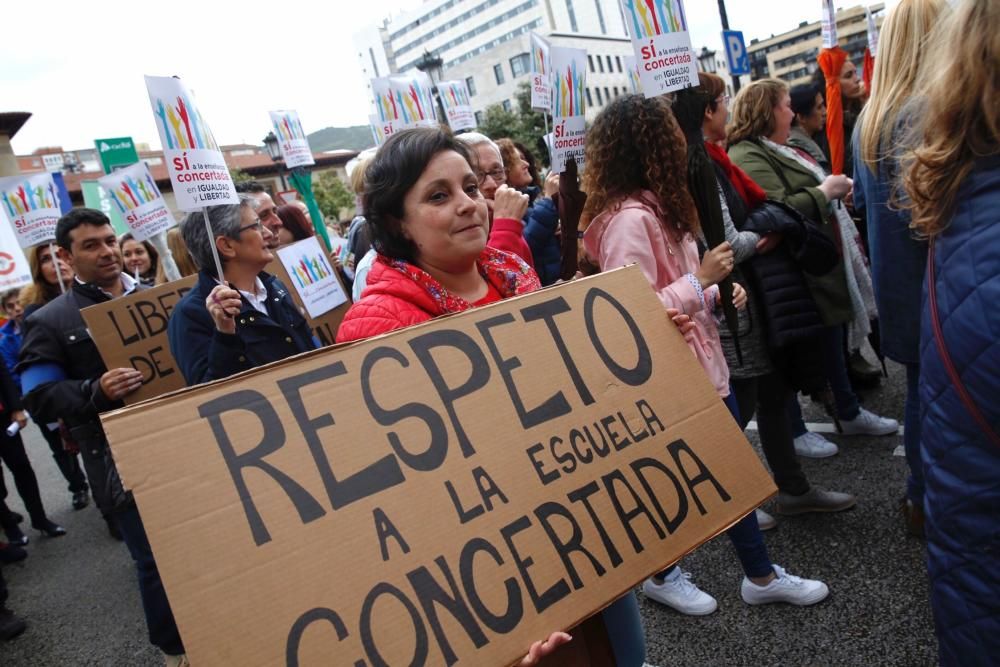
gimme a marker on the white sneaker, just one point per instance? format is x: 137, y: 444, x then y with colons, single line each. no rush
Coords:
x: 814, y: 446
x: 678, y: 593
x: 784, y: 588
x: 765, y: 520
x: 867, y: 423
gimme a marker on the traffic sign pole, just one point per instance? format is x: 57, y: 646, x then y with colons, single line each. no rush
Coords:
x: 725, y: 27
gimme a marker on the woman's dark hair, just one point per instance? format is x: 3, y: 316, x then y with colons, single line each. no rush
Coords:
x: 154, y: 257
x: 395, y: 169
x: 804, y: 98
x: 295, y: 221
x: 529, y: 157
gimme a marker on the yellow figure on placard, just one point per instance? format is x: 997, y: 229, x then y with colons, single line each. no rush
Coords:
x: 176, y: 122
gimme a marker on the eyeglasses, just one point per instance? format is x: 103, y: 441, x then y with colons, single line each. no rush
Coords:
x: 724, y: 99
x: 498, y: 175
x: 256, y: 224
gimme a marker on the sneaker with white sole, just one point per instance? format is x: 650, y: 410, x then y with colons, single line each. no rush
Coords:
x: 677, y: 592
x: 765, y: 520
x: 784, y: 588
x: 814, y: 446
x: 867, y: 423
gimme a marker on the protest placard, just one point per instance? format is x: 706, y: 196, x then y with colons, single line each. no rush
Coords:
x: 381, y: 129
x: 324, y: 327
x: 569, y: 124
x: 131, y: 332
x: 404, y: 101
x: 31, y: 203
x: 633, y: 75
x: 541, y: 71
x: 312, y: 277
x: 197, y: 169
x: 662, y: 45
x: 138, y: 201
x: 828, y: 24
x: 443, y: 493
x: 458, y: 108
x: 14, y: 268
x: 291, y: 139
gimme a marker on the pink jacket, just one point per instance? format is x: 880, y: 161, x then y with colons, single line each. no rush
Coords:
x: 633, y: 232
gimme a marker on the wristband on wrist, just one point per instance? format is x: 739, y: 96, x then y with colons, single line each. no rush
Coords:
x: 697, y: 288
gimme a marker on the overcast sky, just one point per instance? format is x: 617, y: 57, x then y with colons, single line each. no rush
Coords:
x: 80, y: 72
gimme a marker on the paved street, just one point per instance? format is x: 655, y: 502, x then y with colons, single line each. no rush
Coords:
x: 79, y: 596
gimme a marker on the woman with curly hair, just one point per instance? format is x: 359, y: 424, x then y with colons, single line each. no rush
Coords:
x: 953, y: 181
x: 639, y: 210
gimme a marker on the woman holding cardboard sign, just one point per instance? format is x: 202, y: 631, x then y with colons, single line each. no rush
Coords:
x: 245, y: 320
x: 429, y: 225
x: 640, y: 211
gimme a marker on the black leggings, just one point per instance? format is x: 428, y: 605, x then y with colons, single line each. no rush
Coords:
x: 16, y: 459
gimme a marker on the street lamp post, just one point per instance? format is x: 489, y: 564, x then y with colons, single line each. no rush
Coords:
x: 274, y: 151
x: 431, y: 65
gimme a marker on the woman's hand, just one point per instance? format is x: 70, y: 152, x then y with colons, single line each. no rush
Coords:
x: 509, y: 203
x: 551, y: 186
x: 224, y: 304
x: 20, y: 417
x: 835, y: 186
x: 739, y: 296
x: 715, y: 265
x: 540, y: 649
x: 683, y: 322
x: 768, y: 242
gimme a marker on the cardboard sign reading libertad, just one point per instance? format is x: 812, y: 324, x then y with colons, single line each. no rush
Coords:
x: 447, y: 493
x: 131, y: 332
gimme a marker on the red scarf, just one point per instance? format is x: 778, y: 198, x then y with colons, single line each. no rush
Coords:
x: 751, y: 193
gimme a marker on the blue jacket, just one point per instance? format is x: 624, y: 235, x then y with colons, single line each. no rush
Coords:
x: 898, y: 259
x: 540, y: 223
x: 203, y: 353
x: 961, y: 465
x: 10, y: 348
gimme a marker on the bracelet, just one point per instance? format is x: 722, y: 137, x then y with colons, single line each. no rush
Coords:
x: 697, y: 288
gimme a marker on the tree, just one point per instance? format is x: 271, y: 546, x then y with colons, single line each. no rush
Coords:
x: 522, y: 124
x: 238, y: 175
x: 332, y: 195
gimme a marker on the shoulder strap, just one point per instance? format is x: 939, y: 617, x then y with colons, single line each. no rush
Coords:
x: 949, y: 366
x: 774, y: 165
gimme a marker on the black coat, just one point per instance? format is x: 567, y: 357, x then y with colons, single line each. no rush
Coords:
x: 203, y: 353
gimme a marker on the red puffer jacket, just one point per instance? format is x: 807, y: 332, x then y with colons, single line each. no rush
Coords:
x: 400, y: 294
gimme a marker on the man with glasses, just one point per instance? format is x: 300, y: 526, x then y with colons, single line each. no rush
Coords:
x: 246, y: 317
x: 265, y: 207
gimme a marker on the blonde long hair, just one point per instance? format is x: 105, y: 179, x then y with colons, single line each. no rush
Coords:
x: 962, y: 122
x: 902, y: 53
x: 752, y: 113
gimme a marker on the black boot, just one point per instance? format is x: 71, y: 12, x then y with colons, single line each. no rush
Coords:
x: 10, y: 625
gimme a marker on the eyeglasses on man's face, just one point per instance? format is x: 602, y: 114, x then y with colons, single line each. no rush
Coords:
x: 498, y: 175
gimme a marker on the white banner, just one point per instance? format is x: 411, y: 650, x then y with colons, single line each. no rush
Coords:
x: 569, y: 108
x: 196, y: 166
x: 455, y: 100
x: 138, y: 200
x: 404, y: 101
x: 828, y: 24
x: 541, y: 74
x: 872, y: 32
x: 312, y: 276
x: 32, y: 205
x: 662, y: 45
x: 291, y: 139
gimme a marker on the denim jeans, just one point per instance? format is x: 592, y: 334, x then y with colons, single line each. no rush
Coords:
x: 159, y: 618
x: 624, y: 626
x: 831, y: 347
x: 911, y: 436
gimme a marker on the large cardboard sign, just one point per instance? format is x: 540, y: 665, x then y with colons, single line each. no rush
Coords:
x: 138, y: 201
x: 324, y: 327
x: 541, y: 72
x: 196, y: 166
x: 569, y: 108
x: 458, y: 108
x: 442, y: 494
x: 131, y: 332
x: 32, y: 205
x: 292, y: 139
x: 662, y: 45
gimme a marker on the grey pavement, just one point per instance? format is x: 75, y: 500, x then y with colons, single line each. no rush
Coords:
x: 79, y: 596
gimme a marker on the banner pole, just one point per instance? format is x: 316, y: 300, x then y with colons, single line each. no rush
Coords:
x: 215, y: 250
x: 55, y: 263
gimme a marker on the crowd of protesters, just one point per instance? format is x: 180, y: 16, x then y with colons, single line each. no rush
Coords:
x: 778, y: 272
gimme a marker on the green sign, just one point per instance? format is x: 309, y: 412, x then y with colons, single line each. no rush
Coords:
x: 116, y: 153
x: 94, y: 196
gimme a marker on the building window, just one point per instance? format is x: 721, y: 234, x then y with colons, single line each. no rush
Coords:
x: 590, y: 100
x: 607, y: 93
x: 506, y: 105
x: 600, y: 64
x: 615, y: 89
x: 609, y: 63
x: 600, y: 102
x: 470, y: 84
x: 600, y: 17
x: 590, y: 62
x: 519, y: 65
x: 479, y: 118
x: 572, y: 16
x: 498, y: 73
x: 618, y: 61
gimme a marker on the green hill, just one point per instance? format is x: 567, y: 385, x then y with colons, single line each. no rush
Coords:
x: 353, y: 138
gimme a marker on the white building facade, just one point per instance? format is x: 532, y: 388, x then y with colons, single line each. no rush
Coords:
x: 486, y: 44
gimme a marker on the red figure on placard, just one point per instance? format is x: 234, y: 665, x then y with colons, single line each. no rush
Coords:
x: 182, y: 112
x: 416, y: 98
x: 127, y: 190
x: 569, y: 80
x: 652, y: 11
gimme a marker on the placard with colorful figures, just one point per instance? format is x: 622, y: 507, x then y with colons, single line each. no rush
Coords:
x: 312, y: 277
x: 32, y: 205
x: 541, y: 71
x: 633, y: 75
x: 196, y: 166
x: 14, y: 268
x: 662, y: 45
x: 455, y: 100
x: 569, y: 108
x: 291, y: 139
x: 134, y: 195
x: 404, y: 101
